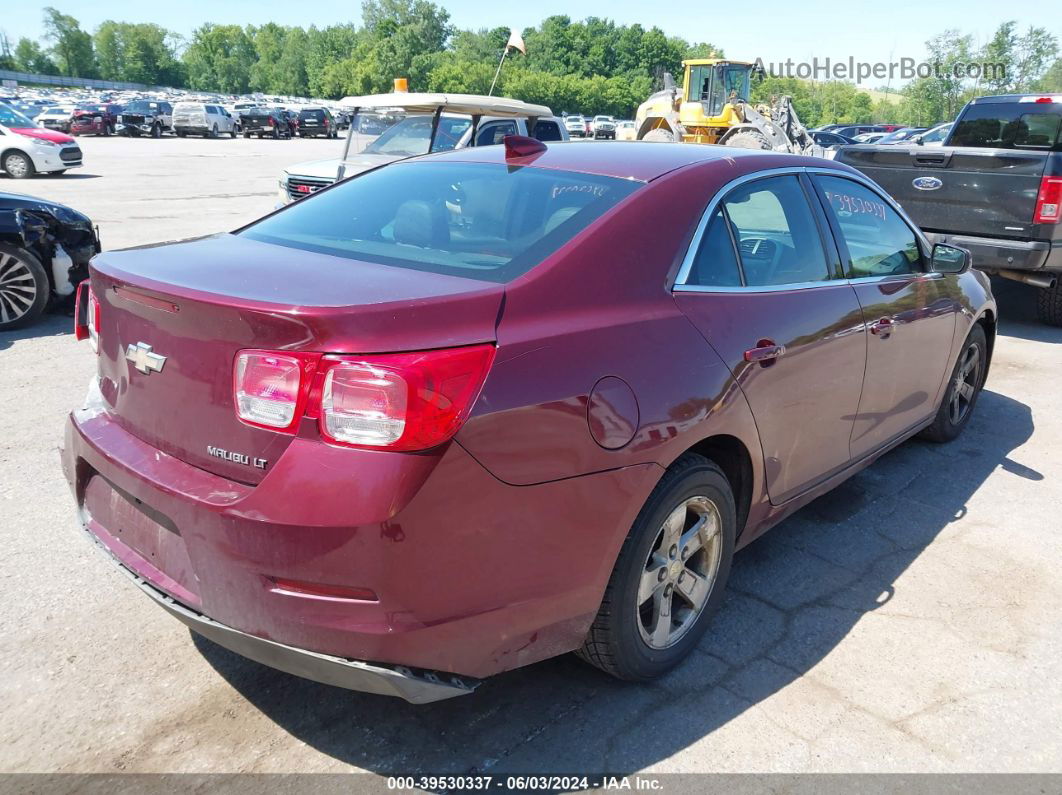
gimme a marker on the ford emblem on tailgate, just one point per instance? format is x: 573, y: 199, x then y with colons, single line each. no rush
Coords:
x: 926, y: 183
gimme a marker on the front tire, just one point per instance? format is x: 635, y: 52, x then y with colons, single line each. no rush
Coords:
x: 964, y: 387
x: 156, y: 131
x: 24, y: 287
x: 670, y: 575
x: 19, y: 165
x: 1049, y: 305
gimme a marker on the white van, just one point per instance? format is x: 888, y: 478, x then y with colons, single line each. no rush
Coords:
x: 196, y: 118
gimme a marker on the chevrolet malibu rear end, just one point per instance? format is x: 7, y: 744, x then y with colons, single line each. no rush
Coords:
x: 463, y: 413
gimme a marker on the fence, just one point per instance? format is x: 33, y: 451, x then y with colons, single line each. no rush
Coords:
x: 71, y: 82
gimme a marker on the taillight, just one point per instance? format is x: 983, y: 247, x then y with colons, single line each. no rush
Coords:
x: 402, y: 401
x: 87, y: 316
x: 1049, y: 201
x: 271, y: 122
x: 271, y: 388
x: 399, y: 401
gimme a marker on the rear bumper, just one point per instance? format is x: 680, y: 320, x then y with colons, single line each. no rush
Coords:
x: 417, y: 687
x: 472, y: 576
x: 990, y: 253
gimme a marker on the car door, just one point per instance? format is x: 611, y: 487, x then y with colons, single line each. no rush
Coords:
x: 910, y: 313
x: 764, y: 286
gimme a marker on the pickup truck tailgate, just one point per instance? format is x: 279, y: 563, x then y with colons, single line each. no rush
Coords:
x: 984, y: 192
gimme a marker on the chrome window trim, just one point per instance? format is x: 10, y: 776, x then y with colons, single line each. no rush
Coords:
x: 680, y: 285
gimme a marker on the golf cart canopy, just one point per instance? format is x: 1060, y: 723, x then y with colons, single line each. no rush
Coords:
x: 469, y: 104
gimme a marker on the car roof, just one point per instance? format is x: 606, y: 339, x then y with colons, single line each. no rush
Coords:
x: 638, y: 160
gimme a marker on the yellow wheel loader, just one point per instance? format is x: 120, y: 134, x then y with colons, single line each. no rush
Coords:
x: 713, y: 108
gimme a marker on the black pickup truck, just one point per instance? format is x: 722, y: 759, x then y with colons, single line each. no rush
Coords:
x: 995, y: 188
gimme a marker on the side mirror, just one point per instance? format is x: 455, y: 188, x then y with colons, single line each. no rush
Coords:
x: 949, y: 259
x: 918, y: 140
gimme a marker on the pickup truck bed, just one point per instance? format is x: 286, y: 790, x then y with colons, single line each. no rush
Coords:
x: 993, y: 188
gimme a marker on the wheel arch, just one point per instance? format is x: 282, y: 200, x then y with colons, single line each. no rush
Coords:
x: 987, y: 321
x: 731, y: 455
x: 11, y: 149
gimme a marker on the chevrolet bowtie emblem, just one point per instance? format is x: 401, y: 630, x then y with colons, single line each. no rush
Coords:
x: 144, y: 359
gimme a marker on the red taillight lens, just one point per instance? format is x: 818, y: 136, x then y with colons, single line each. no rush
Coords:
x: 87, y: 316
x: 272, y: 123
x: 1049, y: 201
x: 271, y: 388
x: 404, y: 401
x: 396, y: 401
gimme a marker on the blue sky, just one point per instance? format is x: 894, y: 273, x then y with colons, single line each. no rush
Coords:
x: 869, y: 30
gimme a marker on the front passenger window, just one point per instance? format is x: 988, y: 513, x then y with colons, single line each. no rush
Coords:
x: 879, y: 242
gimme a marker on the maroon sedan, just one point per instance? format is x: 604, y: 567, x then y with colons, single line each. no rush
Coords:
x: 472, y: 410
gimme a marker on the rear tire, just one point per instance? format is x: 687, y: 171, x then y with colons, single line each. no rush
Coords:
x: 964, y: 387
x: 682, y: 542
x: 1049, y: 304
x: 213, y: 132
x: 749, y: 139
x: 660, y: 134
x: 24, y: 287
x: 19, y: 165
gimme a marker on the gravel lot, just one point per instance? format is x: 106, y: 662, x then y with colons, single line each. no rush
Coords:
x: 909, y: 621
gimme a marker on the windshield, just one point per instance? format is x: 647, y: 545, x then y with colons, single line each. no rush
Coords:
x: 411, y: 135
x: 479, y: 220
x: 9, y: 117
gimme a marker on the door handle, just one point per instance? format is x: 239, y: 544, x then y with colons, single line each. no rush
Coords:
x: 765, y: 353
x: 882, y: 328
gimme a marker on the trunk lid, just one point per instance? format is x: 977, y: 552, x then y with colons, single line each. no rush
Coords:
x: 959, y: 190
x: 199, y: 302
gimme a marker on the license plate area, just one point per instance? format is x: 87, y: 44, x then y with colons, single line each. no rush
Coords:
x: 141, y: 538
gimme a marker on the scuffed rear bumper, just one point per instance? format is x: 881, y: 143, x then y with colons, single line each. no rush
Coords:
x: 417, y: 687
x: 468, y: 570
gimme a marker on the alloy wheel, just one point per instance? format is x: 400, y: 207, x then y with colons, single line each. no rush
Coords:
x: 964, y: 388
x: 18, y: 288
x: 680, y: 572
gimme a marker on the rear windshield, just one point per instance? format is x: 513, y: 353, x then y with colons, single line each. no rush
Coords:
x: 1019, y: 125
x: 480, y: 220
x: 317, y: 115
x: 256, y: 112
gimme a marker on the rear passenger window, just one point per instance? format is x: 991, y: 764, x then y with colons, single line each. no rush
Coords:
x: 778, y: 239
x: 495, y: 133
x: 999, y: 125
x: 716, y: 263
x: 879, y: 242
x: 548, y: 131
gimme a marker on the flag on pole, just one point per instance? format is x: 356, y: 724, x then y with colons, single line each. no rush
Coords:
x: 516, y: 41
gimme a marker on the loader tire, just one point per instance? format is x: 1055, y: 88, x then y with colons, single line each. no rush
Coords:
x: 660, y: 134
x: 749, y: 139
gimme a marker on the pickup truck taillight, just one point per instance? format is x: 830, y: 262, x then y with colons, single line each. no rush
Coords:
x: 397, y: 401
x: 271, y: 122
x: 87, y: 316
x: 1049, y: 201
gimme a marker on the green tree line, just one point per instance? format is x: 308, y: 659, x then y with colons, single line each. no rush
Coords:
x: 593, y: 65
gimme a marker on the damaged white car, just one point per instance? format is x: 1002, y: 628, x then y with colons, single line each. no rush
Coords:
x: 44, y: 253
